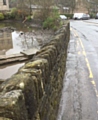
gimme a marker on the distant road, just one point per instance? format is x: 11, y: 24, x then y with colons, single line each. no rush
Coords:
x: 93, y: 20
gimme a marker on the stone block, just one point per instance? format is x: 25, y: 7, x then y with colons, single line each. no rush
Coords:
x: 24, y: 82
x: 12, y: 106
x: 1, y: 81
x: 3, y: 118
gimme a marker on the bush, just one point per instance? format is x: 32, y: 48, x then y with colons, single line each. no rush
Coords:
x: 7, y: 15
x: 92, y: 15
x: 29, y: 17
x: 70, y: 16
x: 13, y: 13
x: 53, y: 21
x: 49, y: 22
x: 1, y: 16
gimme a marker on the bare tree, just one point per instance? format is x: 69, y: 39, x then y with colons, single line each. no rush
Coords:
x: 94, y: 5
x: 45, y: 8
x: 72, y: 5
x: 87, y: 5
x: 68, y: 3
x: 25, y: 7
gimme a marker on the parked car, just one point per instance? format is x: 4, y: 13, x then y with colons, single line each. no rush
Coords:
x: 81, y: 16
x: 96, y: 16
x: 63, y: 17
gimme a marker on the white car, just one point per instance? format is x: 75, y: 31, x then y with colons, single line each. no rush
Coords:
x: 81, y: 16
x: 63, y: 17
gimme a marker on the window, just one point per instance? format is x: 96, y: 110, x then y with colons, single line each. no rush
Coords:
x: 4, y: 2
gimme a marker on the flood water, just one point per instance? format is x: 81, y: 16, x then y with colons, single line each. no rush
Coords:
x: 8, y: 71
x: 14, y: 40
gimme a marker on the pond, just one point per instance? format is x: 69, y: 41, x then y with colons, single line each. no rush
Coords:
x: 10, y: 43
x: 16, y: 37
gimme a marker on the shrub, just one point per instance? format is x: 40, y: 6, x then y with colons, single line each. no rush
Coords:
x: 7, y: 15
x: 49, y: 22
x: 92, y: 15
x: 70, y: 16
x: 1, y: 16
x: 52, y: 21
x: 29, y: 17
x: 13, y: 12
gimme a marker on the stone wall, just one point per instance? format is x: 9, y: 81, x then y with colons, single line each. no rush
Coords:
x: 4, y: 7
x: 34, y: 92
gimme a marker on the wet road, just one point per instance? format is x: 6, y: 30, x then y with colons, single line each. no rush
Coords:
x: 80, y: 92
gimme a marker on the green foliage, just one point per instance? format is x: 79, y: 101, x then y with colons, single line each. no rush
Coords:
x: 92, y: 15
x: 16, y: 14
x: 7, y: 15
x: 1, y: 16
x: 70, y: 16
x: 52, y: 21
x: 29, y: 17
x: 13, y: 12
x: 48, y: 23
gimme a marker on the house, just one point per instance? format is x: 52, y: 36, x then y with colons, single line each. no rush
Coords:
x: 4, y: 5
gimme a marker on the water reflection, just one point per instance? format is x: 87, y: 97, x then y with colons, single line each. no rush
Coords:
x: 15, y: 42
x: 5, y: 41
x: 22, y: 40
x: 19, y: 43
x: 12, y: 42
x: 7, y: 72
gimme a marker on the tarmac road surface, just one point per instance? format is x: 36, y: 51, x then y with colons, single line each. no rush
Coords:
x: 80, y: 88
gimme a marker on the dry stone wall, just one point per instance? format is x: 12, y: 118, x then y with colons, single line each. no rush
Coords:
x: 34, y: 92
